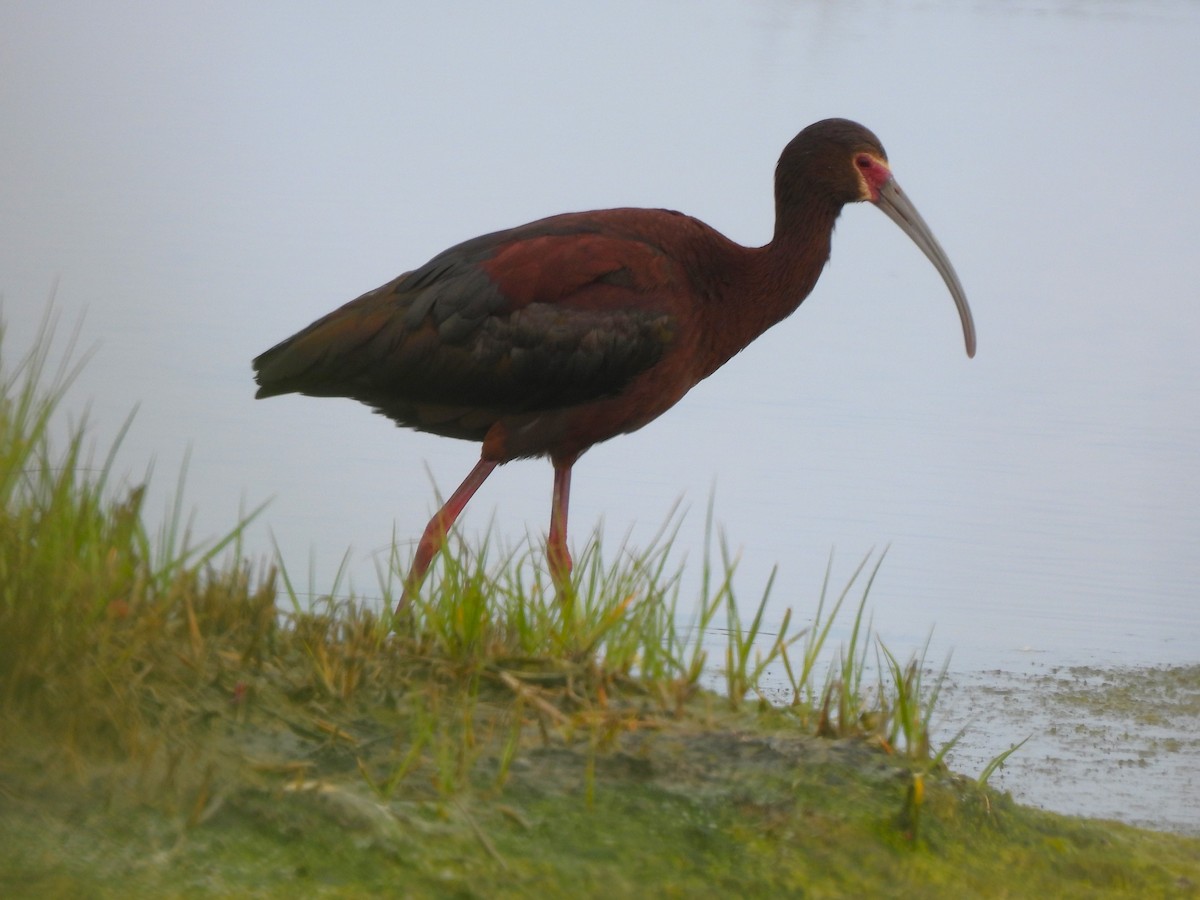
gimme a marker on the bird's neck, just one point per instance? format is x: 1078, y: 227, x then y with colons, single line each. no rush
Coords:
x: 793, y: 261
x: 770, y: 281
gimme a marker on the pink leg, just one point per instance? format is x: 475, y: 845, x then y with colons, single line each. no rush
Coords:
x: 434, y: 537
x: 556, y: 545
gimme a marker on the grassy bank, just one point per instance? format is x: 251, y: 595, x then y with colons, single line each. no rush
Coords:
x: 174, y: 722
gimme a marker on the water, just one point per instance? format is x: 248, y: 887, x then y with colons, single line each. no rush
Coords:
x: 203, y: 186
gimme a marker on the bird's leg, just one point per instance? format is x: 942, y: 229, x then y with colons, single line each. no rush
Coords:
x: 557, y: 554
x: 434, y: 537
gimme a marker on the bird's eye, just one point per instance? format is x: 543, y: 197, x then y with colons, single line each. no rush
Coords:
x: 863, y: 162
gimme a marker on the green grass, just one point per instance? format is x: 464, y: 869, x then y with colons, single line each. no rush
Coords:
x: 86, y: 580
x: 174, y: 720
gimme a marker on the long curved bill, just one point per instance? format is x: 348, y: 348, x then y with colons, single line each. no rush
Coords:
x: 895, y: 203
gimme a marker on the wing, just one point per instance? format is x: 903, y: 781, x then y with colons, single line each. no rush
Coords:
x: 555, y: 313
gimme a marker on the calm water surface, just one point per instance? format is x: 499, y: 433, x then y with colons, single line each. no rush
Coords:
x: 200, y: 187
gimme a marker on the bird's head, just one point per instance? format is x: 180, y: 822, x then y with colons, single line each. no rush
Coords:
x: 834, y: 162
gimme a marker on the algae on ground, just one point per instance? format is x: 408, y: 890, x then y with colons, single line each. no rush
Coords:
x: 1120, y: 742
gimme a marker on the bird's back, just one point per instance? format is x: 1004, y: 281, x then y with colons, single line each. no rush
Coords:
x: 552, y: 315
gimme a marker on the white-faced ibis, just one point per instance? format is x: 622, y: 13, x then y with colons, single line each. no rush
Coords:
x: 551, y: 337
